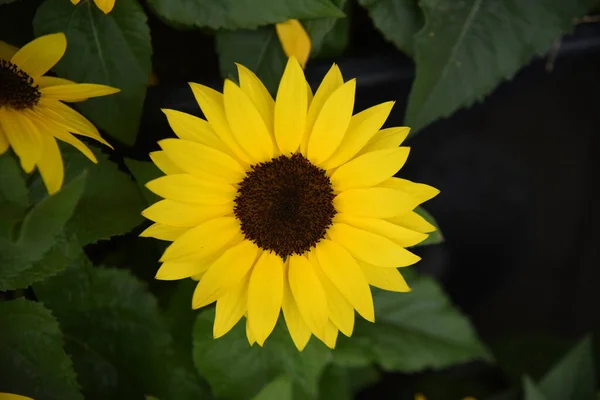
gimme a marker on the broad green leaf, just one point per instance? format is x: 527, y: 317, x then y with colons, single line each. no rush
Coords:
x: 468, y: 47
x: 113, y: 331
x: 236, y: 14
x: 407, y: 336
x: 434, y: 237
x: 144, y: 172
x: 32, y: 360
x: 14, y: 196
x: 397, y: 20
x: 278, y: 389
x: 111, y: 49
x: 532, y: 391
x: 335, y: 384
x: 329, y: 36
x: 258, y: 50
x: 15, y: 21
x: 231, y: 359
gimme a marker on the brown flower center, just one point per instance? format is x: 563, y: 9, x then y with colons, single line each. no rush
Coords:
x: 17, y: 88
x: 285, y: 205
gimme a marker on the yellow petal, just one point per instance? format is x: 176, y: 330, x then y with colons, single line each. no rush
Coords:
x: 45, y: 81
x: 343, y: 271
x: 332, y: 123
x: 12, y: 396
x: 7, y: 51
x: 294, y: 40
x: 66, y: 137
x: 75, y: 1
x: 413, y: 221
x: 76, y: 91
x: 189, y: 189
x: 105, y: 5
x: 231, y: 307
x: 172, y: 271
x: 308, y: 293
x: 290, y: 108
x: 369, y: 169
x: 164, y: 163
x: 51, y: 165
x: 377, y: 202
x: 38, y: 56
x: 398, y: 234
x: 265, y: 294
x: 298, y: 329
x: 23, y: 136
x: 419, y: 191
x: 202, y: 161
x: 363, y: 126
x: 330, y: 336
x: 258, y: 93
x: 246, y: 123
x: 183, y: 215
x: 385, y: 278
x: 386, y: 139
x: 224, y: 273
x: 211, y: 103
x: 371, y: 248
x: 204, y: 240
x: 192, y: 128
x: 250, y: 334
x: 4, y: 145
x: 163, y: 232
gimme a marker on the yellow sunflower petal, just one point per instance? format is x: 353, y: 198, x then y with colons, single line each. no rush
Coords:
x: 183, y: 215
x: 330, y: 335
x: 172, y: 271
x: 51, y: 165
x: 45, y: 81
x: 192, y: 128
x: 246, y: 123
x: 419, y: 191
x: 294, y: 40
x: 224, y: 273
x: 258, y: 93
x: 202, y: 161
x: 332, y: 123
x: 386, y: 139
x: 4, y: 145
x: 298, y: 329
x: 189, y: 189
x: 23, y: 136
x: 77, y: 91
x: 12, y: 396
x: 38, y: 56
x: 343, y: 271
x: 164, y: 163
x: 377, y: 202
x: 105, y: 6
x: 413, y: 221
x: 363, y: 126
x: 308, y: 293
x: 265, y: 294
x: 250, y: 334
x: 7, y: 51
x: 163, y: 232
x: 371, y: 248
x: 290, y: 108
x: 385, y: 278
x: 211, y: 103
x: 369, y: 169
x: 231, y: 307
x: 204, y: 240
x: 401, y: 235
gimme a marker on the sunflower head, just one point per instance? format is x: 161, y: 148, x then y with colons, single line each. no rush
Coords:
x: 286, y: 204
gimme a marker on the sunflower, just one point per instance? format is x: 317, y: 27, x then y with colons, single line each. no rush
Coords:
x: 105, y: 6
x: 32, y: 115
x: 286, y: 205
x: 294, y: 40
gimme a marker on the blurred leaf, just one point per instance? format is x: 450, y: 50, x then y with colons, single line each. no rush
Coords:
x: 113, y: 331
x: 414, y: 331
x: 398, y: 21
x: 278, y: 389
x: 231, y: 359
x: 15, y: 21
x: 111, y: 49
x: 329, y: 36
x: 39, y: 232
x: 467, y: 47
x: 258, y: 50
x: 531, y: 390
x: 14, y: 196
x: 32, y: 360
x: 335, y: 384
x: 236, y: 14
x: 434, y: 237
x: 111, y: 203
x: 144, y: 172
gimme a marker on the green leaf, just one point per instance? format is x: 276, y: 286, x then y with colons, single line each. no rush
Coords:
x: 278, y: 389
x: 14, y: 196
x: 20, y: 264
x: 113, y: 331
x: 144, y: 172
x: 434, y: 237
x: 407, y: 336
x: 329, y: 36
x: 236, y: 14
x: 32, y: 360
x: 111, y: 49
x: 231, y: 359
x: 468, y: 47
x: 397, y: 20
x: 531, y: 390
x: 258, y: 50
